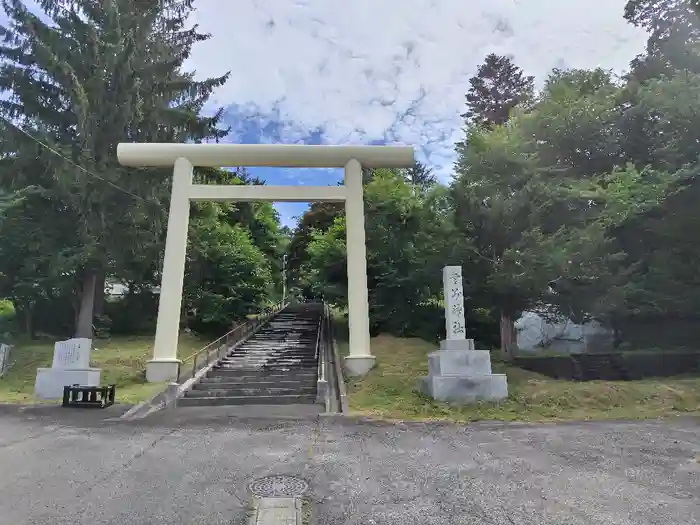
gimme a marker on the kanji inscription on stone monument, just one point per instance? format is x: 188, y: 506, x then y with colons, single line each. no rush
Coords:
x: 455, y: 325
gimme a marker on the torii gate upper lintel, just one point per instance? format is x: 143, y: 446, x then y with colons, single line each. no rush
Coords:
x: 184, y: 157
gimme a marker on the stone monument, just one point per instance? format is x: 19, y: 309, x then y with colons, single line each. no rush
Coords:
x: 71, y: 366
x: 458, y: 373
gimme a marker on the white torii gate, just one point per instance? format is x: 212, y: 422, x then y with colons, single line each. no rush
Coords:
x: 184, y: 157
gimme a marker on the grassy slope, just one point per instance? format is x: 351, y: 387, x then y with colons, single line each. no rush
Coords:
x: 122, y: 360
x: 388, y: 392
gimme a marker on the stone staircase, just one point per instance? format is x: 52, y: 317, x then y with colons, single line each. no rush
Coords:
x: 276, y: 366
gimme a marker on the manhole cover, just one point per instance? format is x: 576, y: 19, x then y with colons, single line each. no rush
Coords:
x: 278, y: 487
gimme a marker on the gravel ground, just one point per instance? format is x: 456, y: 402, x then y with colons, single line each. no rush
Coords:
x: 192, y: 466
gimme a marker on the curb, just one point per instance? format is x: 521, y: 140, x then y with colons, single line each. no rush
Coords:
x: 280, y: 511
x: 277, y: 511
x: 155, y: 403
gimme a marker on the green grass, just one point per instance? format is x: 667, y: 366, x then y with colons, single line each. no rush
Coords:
x: 122, y: 360
x: 387, y: 392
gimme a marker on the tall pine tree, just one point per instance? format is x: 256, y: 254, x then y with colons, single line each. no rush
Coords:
x: 498, y: 87
x: 96, y: 74
x: 420, y: 176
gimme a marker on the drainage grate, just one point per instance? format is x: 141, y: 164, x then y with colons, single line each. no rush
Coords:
x: 278, y: 487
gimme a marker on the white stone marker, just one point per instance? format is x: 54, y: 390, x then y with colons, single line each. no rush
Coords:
x: 458, y: 373
x: 455, y: 325
x: 4, y: 358
x: 73, y: 353
x: 71, y: 366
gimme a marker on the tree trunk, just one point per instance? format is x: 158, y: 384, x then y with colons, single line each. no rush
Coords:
x: 29, y: 323
x: 83, y: 326
x: 26, y: 316
x: 100, y: 282
x: 508, y: 337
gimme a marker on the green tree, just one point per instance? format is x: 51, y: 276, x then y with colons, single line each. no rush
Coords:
x: 407, y: 245
x: 497, y: 89
x: 674, y: 28
x: 33, y: 257
x: 553, y: 196
x: 227, y: 275
x: 319, y: 218
x: 95, y: 63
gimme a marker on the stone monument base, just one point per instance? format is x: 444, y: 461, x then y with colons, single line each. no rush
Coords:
x: 50, y: 381
x: 463, y: 390
x: 457, y: 375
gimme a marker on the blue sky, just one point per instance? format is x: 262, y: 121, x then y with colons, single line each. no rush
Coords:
x: 289, y: 211
x: 384, y: 72
x: 259, y: 129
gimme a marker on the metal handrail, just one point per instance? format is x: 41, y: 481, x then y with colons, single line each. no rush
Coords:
x: 243, y: 329
x: 321, y: 360
x: 320, y: 348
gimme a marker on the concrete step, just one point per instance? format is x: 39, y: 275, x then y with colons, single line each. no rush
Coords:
x: 278, y: 345
x: 271, y: 353
x: 294, y: 319
x: 268, y: 375
x: 283, y: 366
x: 261, y: 360
x: 248, y: 391
x: 227, y: 382
x: 293, y: 324
x: 290, y: 331
x: 244, y: 376
x: 285, y: 335
x: 217, y: 414
x: 289, y: 371
x: 246, y: 400
x: 275, y: 349
x: 308, y: 338
x: 270, y: 356
x: 289, y: 328
x: 255, y: 364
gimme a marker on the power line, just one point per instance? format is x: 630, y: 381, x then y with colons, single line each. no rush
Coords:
x: 58, y: 154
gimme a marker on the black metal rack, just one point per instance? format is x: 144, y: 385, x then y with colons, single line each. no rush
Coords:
x: 89, y: 396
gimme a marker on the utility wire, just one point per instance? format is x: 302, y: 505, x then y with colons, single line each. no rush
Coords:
x: 58, y: 154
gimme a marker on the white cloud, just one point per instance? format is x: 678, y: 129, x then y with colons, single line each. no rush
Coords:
x: 387, y: 69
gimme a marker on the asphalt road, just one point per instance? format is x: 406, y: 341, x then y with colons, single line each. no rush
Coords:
x: 61, y: 466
